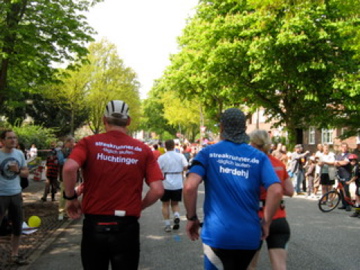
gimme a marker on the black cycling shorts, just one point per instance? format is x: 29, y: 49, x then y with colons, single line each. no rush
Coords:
x: 172, y: 195
x: 279, y: 234
x: 217, y: 258
x: 110, y: 239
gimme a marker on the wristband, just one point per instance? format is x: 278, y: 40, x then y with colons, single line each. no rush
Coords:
x: 193, y: 218
x: 70, y: 198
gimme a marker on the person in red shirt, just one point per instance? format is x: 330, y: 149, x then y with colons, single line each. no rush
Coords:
x: 114, y: 167
x: 52, y: 172
x: 279, y: 233
x: 156, y: 152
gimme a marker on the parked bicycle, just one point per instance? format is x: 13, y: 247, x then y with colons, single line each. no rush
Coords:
x: 330, y: 200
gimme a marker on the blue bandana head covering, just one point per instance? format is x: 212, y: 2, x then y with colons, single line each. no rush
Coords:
x: 234, y: 126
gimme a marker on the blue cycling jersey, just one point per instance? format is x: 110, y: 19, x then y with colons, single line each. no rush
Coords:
x: 233, y: 174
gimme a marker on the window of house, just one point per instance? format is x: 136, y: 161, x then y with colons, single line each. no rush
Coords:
x: 327, y: 136
x: 311, y: 135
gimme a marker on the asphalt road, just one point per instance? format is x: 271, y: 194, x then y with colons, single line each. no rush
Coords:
x: 318, y: 241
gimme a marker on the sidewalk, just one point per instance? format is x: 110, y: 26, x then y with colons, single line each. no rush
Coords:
x: 32, y: 245
x: 61, y: 251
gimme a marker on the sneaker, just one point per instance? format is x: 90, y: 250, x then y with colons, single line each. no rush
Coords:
x: 355, y: 214
x: 348, y: 208
x: 176, y: 223
x: 43, y: 199
x: 167, y: 228
x: 19, y: 260
x: 342, y: 207
x: 61, y: 217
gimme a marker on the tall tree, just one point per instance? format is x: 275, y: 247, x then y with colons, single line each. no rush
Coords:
x: 153, y: 119
x: 164, y: 110
x: 110, y: 79
x: 70, y: 94
x: 34, y: 35
x: 297, y: 59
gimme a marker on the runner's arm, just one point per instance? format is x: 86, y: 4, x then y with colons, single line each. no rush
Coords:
x: 70, y: 170
x: 288, y: 187
x: 73, y: 207
x: 273, y: 198
x: 191, y: 185
x: 154, y: 193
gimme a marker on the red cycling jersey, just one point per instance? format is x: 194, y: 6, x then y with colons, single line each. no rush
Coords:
x: 281, y: 172
x: 114, y: 166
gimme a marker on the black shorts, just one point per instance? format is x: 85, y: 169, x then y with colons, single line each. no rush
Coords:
x: 172, y: 195
x: 217, y: 258
x: 13, y: 204
x: 110, y: 239
x: 325, y: 180
x: 279, y: 234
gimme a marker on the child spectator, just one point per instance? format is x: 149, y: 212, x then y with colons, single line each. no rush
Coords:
x: 310, y: 175
x: 33, y: 151
x: 52, y: 172
x: 355, y: 177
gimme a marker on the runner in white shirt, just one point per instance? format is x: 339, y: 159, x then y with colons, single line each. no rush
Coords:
x: 172, y: 165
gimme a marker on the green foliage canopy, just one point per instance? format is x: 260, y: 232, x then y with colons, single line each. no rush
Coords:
x: 33, y: 134
x: 34, y: 35
x: 109, y: 79
x: 297, y: 59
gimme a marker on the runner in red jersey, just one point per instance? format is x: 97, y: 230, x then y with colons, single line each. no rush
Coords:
x: 279, y: 233
x: 114, y: 167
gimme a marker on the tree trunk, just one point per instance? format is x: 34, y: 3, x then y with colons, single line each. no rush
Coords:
x: 3, y: 79
x: 13, y: 17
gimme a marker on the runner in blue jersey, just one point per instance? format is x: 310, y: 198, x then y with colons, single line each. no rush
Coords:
x: 233, y: 172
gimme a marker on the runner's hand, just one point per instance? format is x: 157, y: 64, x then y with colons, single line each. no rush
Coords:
x: 73, y: 208
x: 192, y: 229
x: 265, y: 226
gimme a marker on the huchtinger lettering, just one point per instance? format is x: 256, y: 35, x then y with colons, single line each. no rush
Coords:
x: 127, y: 161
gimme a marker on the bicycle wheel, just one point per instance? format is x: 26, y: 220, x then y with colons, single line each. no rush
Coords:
x: 329, y: 201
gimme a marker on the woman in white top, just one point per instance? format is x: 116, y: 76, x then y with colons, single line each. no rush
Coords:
x: 33, y: 151
x: 327, y: 172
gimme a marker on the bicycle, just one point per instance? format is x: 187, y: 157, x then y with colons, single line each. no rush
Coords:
x: 330, y: 200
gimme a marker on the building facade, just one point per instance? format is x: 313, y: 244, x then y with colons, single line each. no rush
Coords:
x: 311, y: 136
